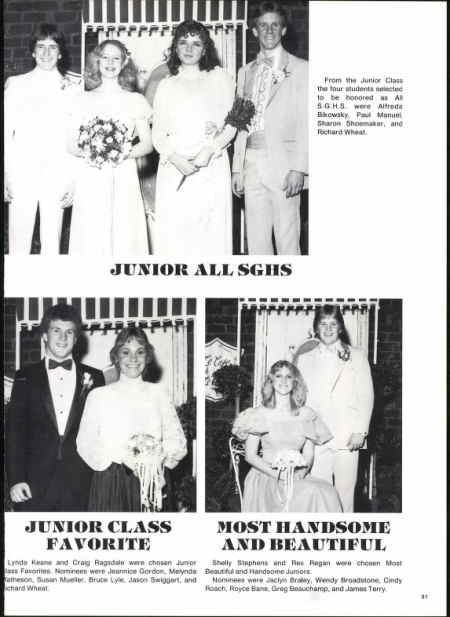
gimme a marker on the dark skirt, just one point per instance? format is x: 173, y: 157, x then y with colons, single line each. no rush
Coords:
x: 115, y: 490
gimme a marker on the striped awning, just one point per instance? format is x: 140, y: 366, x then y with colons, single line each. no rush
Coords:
x: 145, y: 14
x: 112, y: 312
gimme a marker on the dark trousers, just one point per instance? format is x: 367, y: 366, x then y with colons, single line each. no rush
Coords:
x: 62, y: 494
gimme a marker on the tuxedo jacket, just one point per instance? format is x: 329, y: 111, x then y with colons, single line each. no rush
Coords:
x: 344, y: 401
x: 285, y: 118
x: 34, y: 447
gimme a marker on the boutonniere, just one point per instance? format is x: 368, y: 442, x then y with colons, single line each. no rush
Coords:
x: 344, y: 353
x: 87, y: 383
x: 70, y: 82
x: 65, y: 83
x: 280, y: 75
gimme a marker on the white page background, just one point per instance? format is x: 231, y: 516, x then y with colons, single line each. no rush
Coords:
x: 377, y: 221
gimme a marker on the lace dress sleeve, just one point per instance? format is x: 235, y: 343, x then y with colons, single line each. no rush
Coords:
x: 313, y: 427
x: 173, y: 439
x: 162, y: 121
x: 250, y: 422
x: 91, y: 442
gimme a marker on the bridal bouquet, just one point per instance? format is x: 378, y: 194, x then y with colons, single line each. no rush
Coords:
x: 147, y: 458
x: 239, y: 117
x: 288, y: 461
x: 241, y: 114
x: 104, y: 142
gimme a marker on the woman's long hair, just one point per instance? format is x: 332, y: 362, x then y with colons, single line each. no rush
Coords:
x: 299, y: 389
x: 210, y: 57
x: 331, y: 310
x: 127, y: 76
x: 50, y: 31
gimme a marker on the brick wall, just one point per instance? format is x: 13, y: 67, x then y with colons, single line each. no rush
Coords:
x: 9, y: 334
x: 20, y: 16
x: 390, y: 359
x: 386, y: 426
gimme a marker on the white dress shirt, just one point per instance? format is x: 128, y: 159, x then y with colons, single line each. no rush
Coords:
x: 62, y: 387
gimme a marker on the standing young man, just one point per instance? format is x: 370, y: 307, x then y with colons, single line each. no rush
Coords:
x: 44, y: 471
x: 271, y: 159
x: 340, y: 390
x: 38, y: 167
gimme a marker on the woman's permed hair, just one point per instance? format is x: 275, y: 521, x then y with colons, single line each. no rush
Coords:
x: 127, y: 76
x: 128, y: 334
x: 50, y: 31
x: 299, y: 390
x: 209, y: 59
x: 331, y: 310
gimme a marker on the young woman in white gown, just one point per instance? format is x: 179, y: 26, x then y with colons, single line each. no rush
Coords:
x: 193, y: 216
x: 117, y: 416
x: 108, y: 215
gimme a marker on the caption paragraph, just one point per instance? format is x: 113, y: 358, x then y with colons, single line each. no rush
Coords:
x: 351, y: 106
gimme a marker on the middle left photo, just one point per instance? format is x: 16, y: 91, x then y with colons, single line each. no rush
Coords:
x: 101, y: 410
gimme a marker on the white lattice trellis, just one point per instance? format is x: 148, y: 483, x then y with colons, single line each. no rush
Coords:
x: 282, y: 324
x: 165, y: 321
x: 146, y: 27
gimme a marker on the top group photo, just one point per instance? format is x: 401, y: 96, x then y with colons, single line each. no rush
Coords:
x: 175, y: 129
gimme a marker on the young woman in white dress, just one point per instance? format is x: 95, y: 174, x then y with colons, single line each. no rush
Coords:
x: 193, y: 188
x: 108, y: 217
x: 37, y: 165
x: 121, y: 415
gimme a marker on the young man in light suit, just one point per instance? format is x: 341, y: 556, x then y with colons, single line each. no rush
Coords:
x: 44, y: 471
x: 271, y: 160
x: 38, y: 167
x: 340, y: 389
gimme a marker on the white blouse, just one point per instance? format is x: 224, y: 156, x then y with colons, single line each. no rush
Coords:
x: 114, y: 413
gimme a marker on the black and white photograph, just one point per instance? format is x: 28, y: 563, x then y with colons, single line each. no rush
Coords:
x: 100, y: 404
x: 303, y: 405
x: 164, y: 128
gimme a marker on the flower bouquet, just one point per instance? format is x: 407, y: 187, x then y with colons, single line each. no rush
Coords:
x: 288, y: 461
x: 241, y: 114
x: 239, y: 117
x: 104, y: 142
x: 146, y: 455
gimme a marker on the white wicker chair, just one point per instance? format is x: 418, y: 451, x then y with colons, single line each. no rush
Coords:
x: 237, y: 451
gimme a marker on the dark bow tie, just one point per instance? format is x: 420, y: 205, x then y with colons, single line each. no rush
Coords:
x: 265, y: 60
x: 67, y: 364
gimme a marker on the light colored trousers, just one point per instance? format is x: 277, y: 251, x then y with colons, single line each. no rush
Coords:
x: 340, y: 466
x: 267, y: 209
x: 22, y: 215
x: 37, y: 182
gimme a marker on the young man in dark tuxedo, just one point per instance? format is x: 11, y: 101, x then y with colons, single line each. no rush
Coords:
x: 44, y: 471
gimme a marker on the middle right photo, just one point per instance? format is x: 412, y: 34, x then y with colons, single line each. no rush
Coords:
x: 303, y: 405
